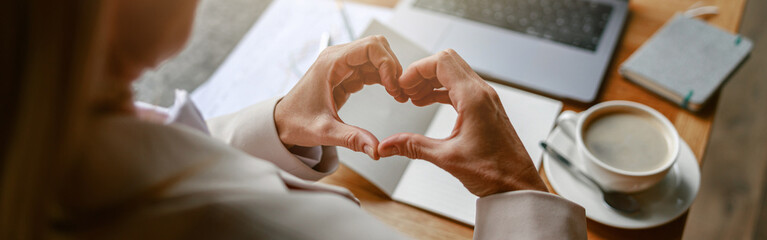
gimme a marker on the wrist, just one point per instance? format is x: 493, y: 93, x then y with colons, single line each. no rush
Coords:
x: 518, y: 179
x: 527, y: 178
x: 280, y: 124
x: 531, y: 181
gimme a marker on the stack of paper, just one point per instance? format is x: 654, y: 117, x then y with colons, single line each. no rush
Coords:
x: 284, y: 41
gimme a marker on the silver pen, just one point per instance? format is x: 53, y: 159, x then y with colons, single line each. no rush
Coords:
x: 345, y: 18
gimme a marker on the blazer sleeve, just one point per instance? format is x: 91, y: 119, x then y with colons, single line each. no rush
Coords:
x: 529, y: 214
x: 253, y: 130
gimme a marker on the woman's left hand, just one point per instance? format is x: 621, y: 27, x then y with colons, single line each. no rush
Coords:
x: 308, y: 114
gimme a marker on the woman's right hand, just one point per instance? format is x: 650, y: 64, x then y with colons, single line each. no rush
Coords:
x: 308, y: 114
x: 483, y: 151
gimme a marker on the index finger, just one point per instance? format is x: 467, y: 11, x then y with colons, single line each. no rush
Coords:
x: 445, y: 68
x: 375, y: 50
x: 420, y: 71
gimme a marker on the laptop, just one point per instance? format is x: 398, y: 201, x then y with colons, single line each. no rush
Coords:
x: 557, y: 47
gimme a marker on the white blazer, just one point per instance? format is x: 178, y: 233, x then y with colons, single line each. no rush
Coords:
x: 142, y: 180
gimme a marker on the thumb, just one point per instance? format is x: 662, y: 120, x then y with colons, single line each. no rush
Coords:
x: 351, y: 137
x: 411, y: 145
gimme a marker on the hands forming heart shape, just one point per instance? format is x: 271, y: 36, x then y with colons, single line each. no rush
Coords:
x: 483, y: 151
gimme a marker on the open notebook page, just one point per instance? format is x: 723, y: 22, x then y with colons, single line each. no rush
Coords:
x: 429, y: 187
x: 375, y: 110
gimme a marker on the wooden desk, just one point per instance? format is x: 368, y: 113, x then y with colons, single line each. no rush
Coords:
x: 646, y: 16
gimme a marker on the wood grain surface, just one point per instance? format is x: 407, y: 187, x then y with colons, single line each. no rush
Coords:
x: 646, y: 16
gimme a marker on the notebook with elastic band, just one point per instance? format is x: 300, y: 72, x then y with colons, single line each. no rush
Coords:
x: 686, y: 61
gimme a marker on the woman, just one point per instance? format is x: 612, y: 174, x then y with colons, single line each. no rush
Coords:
x: 79, y: 160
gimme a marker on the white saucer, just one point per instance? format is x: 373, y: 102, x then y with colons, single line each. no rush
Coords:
x: 659, y: 204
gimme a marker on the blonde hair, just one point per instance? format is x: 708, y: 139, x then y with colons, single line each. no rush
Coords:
x: 54, y: 54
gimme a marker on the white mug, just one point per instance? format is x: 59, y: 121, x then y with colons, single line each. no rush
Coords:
x: 610, y: 177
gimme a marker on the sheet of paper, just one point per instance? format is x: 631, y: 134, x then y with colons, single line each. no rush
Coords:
x: 375, y: 110
x: 277, y: 49
x: 427, y: 186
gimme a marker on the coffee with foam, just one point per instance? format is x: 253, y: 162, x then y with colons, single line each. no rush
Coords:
x: 627, y: 140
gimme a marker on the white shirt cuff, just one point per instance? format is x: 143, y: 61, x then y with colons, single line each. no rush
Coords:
x: 253, y: 130
x: 528, y: 214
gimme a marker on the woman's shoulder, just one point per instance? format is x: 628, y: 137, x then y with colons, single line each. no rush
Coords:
x: 126, y: 157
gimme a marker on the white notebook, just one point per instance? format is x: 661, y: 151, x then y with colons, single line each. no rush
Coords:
x: 418, y: 182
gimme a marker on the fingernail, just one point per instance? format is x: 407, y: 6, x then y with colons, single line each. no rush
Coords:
x: 369, y: 151
x: 390, y: 151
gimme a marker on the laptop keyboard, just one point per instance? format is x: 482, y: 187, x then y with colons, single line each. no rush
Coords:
x: 578, y: 23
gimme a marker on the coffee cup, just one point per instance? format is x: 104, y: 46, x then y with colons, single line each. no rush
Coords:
x: 624, y: 146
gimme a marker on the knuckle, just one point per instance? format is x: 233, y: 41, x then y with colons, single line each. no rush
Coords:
x: 444, y: 54
x: 489, y: 92
x: 324, y: 126
x: 387, y: 62
x: 489, y: 98
x: 484, y: 95
x: 371, y: 39
x: 350, y: 140
x: 412, y: 149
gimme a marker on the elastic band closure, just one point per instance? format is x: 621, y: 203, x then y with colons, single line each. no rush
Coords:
x: 686, y: 100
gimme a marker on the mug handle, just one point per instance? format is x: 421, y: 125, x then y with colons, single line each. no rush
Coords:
x: 566, y: 122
